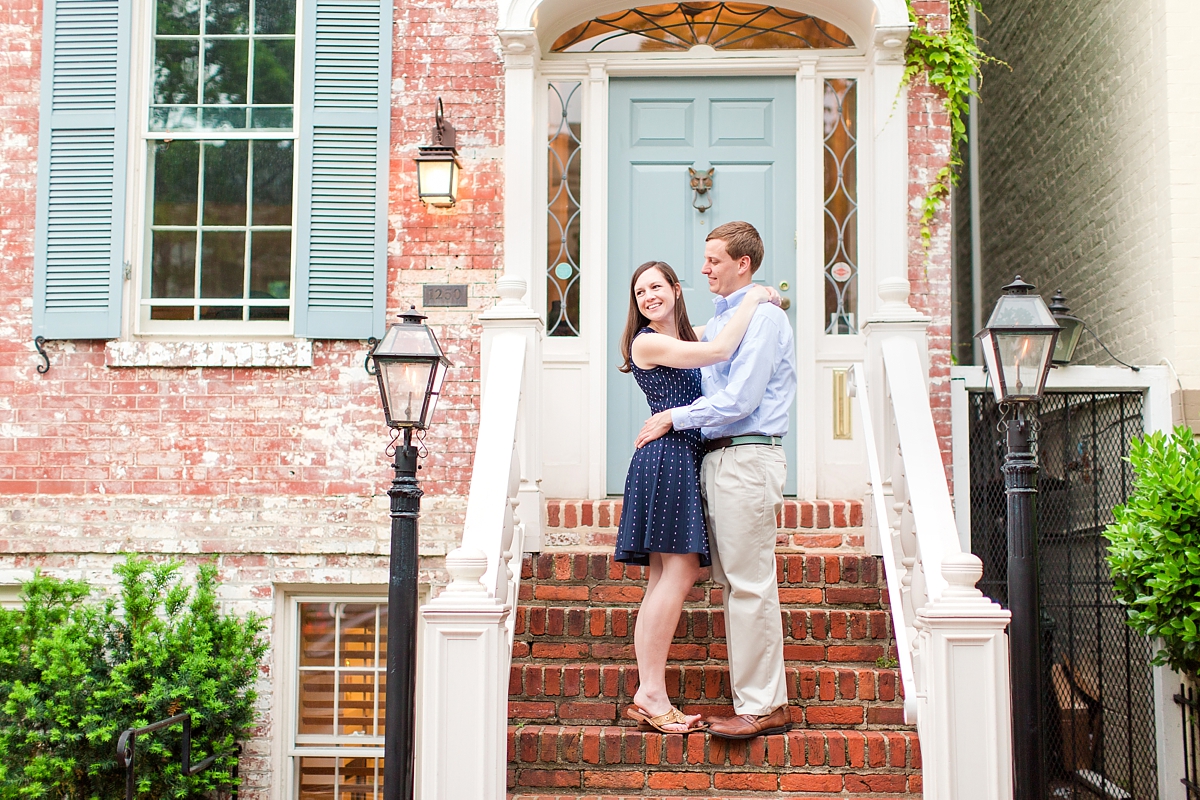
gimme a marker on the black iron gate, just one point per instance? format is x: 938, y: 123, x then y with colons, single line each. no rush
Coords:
x: 1097, y: 692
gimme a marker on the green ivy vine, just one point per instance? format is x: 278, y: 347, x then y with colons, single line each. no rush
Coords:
x: 949, y: 58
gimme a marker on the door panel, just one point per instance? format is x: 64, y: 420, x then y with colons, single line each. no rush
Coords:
x: 744, y: 128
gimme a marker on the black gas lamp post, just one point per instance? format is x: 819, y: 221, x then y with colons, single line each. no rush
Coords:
x: 411, y: 369
x: 1017, y: 345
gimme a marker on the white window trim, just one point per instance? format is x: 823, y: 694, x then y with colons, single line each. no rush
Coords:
x: 181, y: 338
x: 10, y: 596
x: 286, y: 686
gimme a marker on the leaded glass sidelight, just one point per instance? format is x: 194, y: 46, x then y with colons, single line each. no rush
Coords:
x: 722, y: 26
x: 841, y: 205
x: 563, y: 153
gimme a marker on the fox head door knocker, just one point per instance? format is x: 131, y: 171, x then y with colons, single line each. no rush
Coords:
x: 702, y: 182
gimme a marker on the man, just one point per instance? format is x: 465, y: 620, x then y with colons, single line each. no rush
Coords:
x: 743, y: 417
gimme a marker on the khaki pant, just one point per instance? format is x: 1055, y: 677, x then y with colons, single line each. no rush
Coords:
x: 743, y: 492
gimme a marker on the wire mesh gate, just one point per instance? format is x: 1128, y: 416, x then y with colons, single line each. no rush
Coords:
x: 1097, y: 685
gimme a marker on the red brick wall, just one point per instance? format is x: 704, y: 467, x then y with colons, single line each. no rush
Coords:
x: 929, y: 269
x: 84, y: 428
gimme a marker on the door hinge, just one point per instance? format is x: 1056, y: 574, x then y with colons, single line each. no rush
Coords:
x: 128, y: 270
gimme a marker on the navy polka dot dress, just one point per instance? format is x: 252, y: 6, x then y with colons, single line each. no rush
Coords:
x: 662, y: 511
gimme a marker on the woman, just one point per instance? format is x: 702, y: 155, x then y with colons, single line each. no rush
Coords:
x: 662, y: 519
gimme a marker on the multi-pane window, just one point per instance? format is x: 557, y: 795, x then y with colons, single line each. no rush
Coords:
x: 840, y: 148
x: 221, y: 155
x: 340, y: 699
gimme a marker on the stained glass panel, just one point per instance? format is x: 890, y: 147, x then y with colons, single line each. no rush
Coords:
x: 841, y: 205
x: 564, y: 153
x: 720, y: 25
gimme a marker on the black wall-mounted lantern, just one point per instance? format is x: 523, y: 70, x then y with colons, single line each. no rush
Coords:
x: 438, y: 166
x: 1072, y: 329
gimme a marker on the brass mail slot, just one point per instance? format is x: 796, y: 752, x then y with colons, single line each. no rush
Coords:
x: 842, y: 424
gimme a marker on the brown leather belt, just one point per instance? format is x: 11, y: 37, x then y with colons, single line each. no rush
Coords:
x: 737, y: 441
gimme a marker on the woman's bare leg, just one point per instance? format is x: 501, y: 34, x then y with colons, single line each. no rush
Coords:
x: 672, y: 575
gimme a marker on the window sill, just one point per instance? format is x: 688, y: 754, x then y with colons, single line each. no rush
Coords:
x: 294, y: 353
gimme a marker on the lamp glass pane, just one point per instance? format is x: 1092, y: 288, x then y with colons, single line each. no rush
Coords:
x: 987, y: 346
x: 1023, y: 360
x: 1021, y: 311
x: 1064, y: 348
x: 435, y: 179
x: 405, y: 384
x: 439, y: 377
x: 408, y: 340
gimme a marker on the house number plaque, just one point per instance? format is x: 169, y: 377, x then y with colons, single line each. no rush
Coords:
x: 444, y: 295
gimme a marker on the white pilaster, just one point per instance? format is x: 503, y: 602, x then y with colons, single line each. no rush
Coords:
x: 961, y: 666
x: 890, y: 175
x: 520, y: 54
x: 464, y: 664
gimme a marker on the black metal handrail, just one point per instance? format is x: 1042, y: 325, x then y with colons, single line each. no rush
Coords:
x: 126, y: 753
x: 1189, y: 707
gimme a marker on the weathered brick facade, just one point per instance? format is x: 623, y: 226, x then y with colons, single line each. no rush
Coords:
x: 280, y: 473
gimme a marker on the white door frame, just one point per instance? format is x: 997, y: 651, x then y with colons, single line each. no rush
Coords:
x: 877, y: 64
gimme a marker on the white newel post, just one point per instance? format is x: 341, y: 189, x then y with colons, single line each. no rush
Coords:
x: 961, y: 666
x: 463, y: 715
x: 513, y: 315
x: 893, y: 317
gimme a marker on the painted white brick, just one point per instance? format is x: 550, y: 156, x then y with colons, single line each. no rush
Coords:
x: 1090, y: 168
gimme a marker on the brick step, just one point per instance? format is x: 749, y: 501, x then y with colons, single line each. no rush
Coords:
x: 565, y: 759
x: 699, y: 625
x: 596, y: 694
x: 853, y: 580
x: 827, y: 524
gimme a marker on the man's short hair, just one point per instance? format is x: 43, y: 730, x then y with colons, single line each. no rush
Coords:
x: 741, y: 239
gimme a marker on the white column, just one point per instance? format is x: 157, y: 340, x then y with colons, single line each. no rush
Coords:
x: 512, y: 314
x: 464, y: 666
x: 961, y: 665
x: 889, y: 115
x: 520, y: 54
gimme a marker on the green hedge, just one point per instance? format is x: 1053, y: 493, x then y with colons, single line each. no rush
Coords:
x: 1154, y: 549
x: 75, y: 673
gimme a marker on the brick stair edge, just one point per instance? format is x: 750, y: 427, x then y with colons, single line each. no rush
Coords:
x: 796, y: 514
x: 593, y: 757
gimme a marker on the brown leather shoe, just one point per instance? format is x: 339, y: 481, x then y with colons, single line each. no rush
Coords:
x: 747, y: 726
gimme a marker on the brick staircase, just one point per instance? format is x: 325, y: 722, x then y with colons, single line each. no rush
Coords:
x: 574, y: 672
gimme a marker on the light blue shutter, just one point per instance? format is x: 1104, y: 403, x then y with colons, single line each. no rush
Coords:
x: 341, y: 263
x: 82, y: 142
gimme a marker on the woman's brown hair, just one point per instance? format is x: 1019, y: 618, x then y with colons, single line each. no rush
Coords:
x: 636, y: 320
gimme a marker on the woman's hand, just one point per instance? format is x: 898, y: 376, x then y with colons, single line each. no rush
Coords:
x: 762, y: 294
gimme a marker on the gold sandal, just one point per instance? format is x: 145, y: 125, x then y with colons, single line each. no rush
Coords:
x: 673, y: 716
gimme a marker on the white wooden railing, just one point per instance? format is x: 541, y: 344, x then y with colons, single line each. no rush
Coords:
x: 951, y: 643
x: 466, y: 643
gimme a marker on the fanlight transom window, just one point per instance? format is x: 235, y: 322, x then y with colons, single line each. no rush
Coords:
x: 722, y: 26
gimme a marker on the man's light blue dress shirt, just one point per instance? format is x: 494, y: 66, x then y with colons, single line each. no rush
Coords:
x: 753, y: 391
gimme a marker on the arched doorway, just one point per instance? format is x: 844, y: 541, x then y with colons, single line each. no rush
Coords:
x: 777, y: 96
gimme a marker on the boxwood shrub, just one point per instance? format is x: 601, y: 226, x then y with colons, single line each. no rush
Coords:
x: 1154, y: 547
x: 76, y: 670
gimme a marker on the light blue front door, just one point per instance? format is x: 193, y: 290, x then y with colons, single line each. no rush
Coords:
x: 742, y: 128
